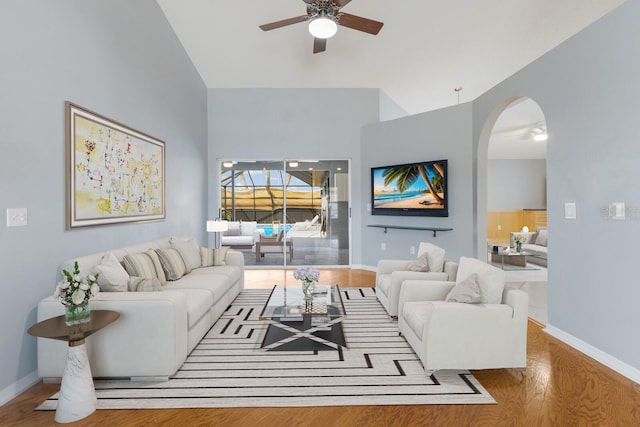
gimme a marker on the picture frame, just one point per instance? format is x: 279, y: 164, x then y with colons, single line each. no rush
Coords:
x: 115, y: 174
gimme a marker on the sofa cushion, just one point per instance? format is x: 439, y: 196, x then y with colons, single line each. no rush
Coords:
x: 172, y: 263
x: 535, y: 249
x: 232, y: 272
x: 435, y: 255
x: 467, y: 291
x: 419, y: 264
x: 237, y: 240
x: 140, y: 284
x: 189, y: 249
x: 490, y: 279
x: 216, y: 285
x: 145, y: 264
x: 541, y: 238
x: 112, y: 277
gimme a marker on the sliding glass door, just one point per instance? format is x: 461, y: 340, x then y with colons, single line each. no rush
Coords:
x: 300, y: 209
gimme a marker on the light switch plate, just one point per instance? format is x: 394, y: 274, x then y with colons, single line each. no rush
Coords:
x: 16, y: 217
x: 570, y: 210
x: 617, y: 210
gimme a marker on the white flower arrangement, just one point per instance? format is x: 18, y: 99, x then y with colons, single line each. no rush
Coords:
x: 74, y: 290
x: 519, y: 239
x: 307, y: 274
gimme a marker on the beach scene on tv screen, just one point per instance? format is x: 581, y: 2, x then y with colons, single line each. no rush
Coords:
x: 414, y: 186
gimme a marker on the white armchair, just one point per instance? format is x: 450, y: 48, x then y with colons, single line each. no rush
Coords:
x: 391, y: 273
x: 451, y: 335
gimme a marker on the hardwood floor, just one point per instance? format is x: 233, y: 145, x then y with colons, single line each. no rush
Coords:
x: 562, y: 387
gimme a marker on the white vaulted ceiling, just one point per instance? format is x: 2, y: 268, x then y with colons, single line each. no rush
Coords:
x: 425, y: 49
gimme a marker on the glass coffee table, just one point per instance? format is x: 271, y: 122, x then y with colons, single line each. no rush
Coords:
x: 509, y: 257
x: 304, y: 324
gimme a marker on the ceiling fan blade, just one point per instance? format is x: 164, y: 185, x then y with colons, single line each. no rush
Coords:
x: 283, y: 23
x: 319, y: 45
x: 341, y: 3
x: 361, y: 24
x: 309, y: 1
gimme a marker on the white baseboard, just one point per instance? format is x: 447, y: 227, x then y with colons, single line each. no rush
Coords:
x: 18, y: 387
x: 363, y: 267
x: 606, y: 359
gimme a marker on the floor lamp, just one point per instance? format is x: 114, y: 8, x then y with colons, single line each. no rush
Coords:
x: 217, y: 226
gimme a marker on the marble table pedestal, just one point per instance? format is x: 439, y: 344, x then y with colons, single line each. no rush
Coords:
x: 77, y: 398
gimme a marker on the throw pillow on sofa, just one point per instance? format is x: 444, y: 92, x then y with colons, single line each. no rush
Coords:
x: 467, y: 291
x: 189, y: 249
x: 172, y: 263
x: 233, y: 230
x: 541, y: 238
x: 490, y: 279
x: 213, y: 257
x: 145, y: 264
x: 112, y: 277
x: 420, y: 264
x: 140, y: 284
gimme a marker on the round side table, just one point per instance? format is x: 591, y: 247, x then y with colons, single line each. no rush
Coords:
x: 77, y: 398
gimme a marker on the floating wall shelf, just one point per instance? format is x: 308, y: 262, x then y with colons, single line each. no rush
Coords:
x: 405, y: 227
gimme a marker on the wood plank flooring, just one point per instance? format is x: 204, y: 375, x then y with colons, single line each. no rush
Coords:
x: 562, y: 387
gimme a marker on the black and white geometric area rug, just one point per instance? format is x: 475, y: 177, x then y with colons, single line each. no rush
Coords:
x: 229, y: 369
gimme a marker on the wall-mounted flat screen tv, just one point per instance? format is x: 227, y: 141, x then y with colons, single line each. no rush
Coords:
x: 414, y: 189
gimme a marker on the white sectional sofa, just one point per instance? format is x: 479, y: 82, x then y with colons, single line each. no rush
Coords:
x: 536, y: 244
x: 156, y: 329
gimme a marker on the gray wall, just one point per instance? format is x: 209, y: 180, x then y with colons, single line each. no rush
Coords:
x: 585, y: 89
x: 514, y: 184
x: 121, y: 59
x: 272, y: 124
x: 437, y: 135
x: 389, y: 109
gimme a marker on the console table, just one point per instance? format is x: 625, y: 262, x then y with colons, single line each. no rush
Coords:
x: 77, y: 397
x: 406, y: 227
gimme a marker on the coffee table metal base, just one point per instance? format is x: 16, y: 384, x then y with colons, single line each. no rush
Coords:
x: 304, y: 335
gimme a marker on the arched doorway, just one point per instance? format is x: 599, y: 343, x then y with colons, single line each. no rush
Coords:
x: 512, y: 189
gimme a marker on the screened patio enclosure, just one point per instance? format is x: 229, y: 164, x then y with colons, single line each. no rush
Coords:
x: 303, y: 203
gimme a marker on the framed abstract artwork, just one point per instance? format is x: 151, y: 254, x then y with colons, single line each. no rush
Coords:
x: 115, y: 174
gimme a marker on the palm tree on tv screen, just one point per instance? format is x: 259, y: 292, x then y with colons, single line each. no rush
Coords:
x: 405, y: 176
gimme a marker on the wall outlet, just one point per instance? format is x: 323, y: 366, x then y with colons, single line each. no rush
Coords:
x: 412, y: 250
x: 383, y: 246
x: 499, y: 227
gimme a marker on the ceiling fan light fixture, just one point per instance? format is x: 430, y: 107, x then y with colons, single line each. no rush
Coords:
x: 323, y: 27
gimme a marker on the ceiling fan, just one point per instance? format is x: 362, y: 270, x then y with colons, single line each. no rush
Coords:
x: 324, y: 16
x: 533, y: 131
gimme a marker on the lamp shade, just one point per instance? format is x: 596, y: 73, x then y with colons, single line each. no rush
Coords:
x: 323, y: 27
x: 217, y: 226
